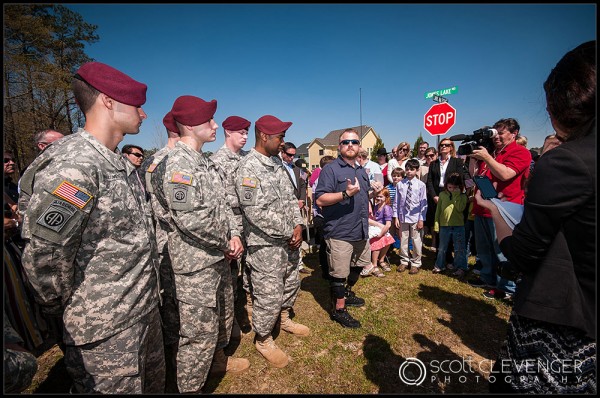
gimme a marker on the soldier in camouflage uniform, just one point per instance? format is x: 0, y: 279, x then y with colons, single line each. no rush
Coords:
x: 273, y: 233
x: 19, y: 364
x: 226, y: 159
x: 202, y: 237
x: 91, y: 251
x: 169, y: 312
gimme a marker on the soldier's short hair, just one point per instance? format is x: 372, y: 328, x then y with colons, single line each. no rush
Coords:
x: 85, y: 95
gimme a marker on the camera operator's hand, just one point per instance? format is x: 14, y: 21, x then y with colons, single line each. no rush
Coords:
x: 481, y: 154
x: 485, y: 203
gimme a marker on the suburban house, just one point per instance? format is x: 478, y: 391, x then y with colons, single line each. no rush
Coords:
x: 328, y: 145
x: 302, y: 152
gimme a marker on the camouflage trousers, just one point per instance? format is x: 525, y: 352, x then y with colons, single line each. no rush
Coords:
x: 275, y: 284
x: 205, y: 300
x: 19, y: 369
x: 245, y: 270
x: 130, y: 362
x: 169, y: 313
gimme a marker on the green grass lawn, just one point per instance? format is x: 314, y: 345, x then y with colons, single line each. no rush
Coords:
x: 437, y: 319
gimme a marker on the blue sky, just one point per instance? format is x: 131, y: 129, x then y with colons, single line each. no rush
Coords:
x: 319, y: 65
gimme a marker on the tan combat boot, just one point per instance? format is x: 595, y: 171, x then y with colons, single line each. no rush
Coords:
x: 292, y: 327
x: 222, y: 364
x: 273, y: 354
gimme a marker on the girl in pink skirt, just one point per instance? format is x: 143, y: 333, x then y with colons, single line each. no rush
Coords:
x: 381, y: 239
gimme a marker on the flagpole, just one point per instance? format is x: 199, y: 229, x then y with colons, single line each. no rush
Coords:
x: 360, y: 105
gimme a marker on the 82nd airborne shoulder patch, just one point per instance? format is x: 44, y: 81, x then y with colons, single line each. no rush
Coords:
x: 56, y: 216
x: 248, y: 192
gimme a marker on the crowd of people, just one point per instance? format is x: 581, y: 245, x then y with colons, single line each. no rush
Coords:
x: 132, y: 263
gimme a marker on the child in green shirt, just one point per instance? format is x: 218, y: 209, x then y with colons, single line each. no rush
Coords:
x: 450, y: 223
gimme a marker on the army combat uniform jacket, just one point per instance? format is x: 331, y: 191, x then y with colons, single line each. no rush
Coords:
x: 188, y: 185
x: 160, y: 215
x: 266, y: 197
x: 226, y: 160
x: 91, y: 250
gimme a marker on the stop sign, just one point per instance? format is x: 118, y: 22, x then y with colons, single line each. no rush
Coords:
x: 440, y: 118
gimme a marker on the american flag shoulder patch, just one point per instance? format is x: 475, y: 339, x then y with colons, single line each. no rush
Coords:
x: 248, y: 182
x: 72, y: 194
x: 151, y: 168
x: 181, y: 178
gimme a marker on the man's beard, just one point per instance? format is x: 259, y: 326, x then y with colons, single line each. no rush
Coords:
x: 350, y: 157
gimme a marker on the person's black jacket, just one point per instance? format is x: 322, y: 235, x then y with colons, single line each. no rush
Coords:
x: 300, y: 187
x: 554, y: 245
x: 455, y: 165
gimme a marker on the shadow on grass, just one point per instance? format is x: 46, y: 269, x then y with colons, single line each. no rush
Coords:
x: 466, y: 312
x: 445, y: 371
x: 382, y: 365
x: 315, y: 284
x: 425, y: 374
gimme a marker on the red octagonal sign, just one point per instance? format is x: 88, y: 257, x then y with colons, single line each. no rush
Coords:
x: 440, y: 118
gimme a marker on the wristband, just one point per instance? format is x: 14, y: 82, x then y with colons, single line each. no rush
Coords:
x: 345, y: 195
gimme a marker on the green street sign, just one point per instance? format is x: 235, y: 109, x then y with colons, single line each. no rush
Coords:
x: 446, y: 91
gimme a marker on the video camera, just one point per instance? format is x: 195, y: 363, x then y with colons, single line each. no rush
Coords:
x: 483, y: 137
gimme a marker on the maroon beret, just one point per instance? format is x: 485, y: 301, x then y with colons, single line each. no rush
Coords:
x: 236, y: 123
x: 270, y: 125
x: 113, y: 83
x: 169, y: 123
x: 193, y: 111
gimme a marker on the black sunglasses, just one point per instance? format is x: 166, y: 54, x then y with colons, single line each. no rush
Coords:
x: 139, y: 155
x: 6, y: 160
x: 290, y: 154
x: 442, y: 145
x: 348, y: 142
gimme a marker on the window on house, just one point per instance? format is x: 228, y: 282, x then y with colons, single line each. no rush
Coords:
x: 321, y: 152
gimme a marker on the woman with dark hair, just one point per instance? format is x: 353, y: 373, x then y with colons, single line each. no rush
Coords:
x: 552, y: 329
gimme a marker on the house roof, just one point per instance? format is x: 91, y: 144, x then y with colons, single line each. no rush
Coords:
x: 332, y: 138
x: 302, y: 149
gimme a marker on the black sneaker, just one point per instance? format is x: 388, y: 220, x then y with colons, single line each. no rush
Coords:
x: 497, y: 294
x: 344, y: 318
x: 478, y: 283
x: 352, y: 300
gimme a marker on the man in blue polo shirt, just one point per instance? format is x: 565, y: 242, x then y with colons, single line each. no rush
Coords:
x: 343, y: 195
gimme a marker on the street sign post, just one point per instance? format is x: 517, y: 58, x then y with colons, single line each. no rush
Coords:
x: 438, y: 98
x: 446, y: 91
x: 439, y: 119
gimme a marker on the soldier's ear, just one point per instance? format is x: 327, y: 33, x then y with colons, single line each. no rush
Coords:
x: 106, y: 100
